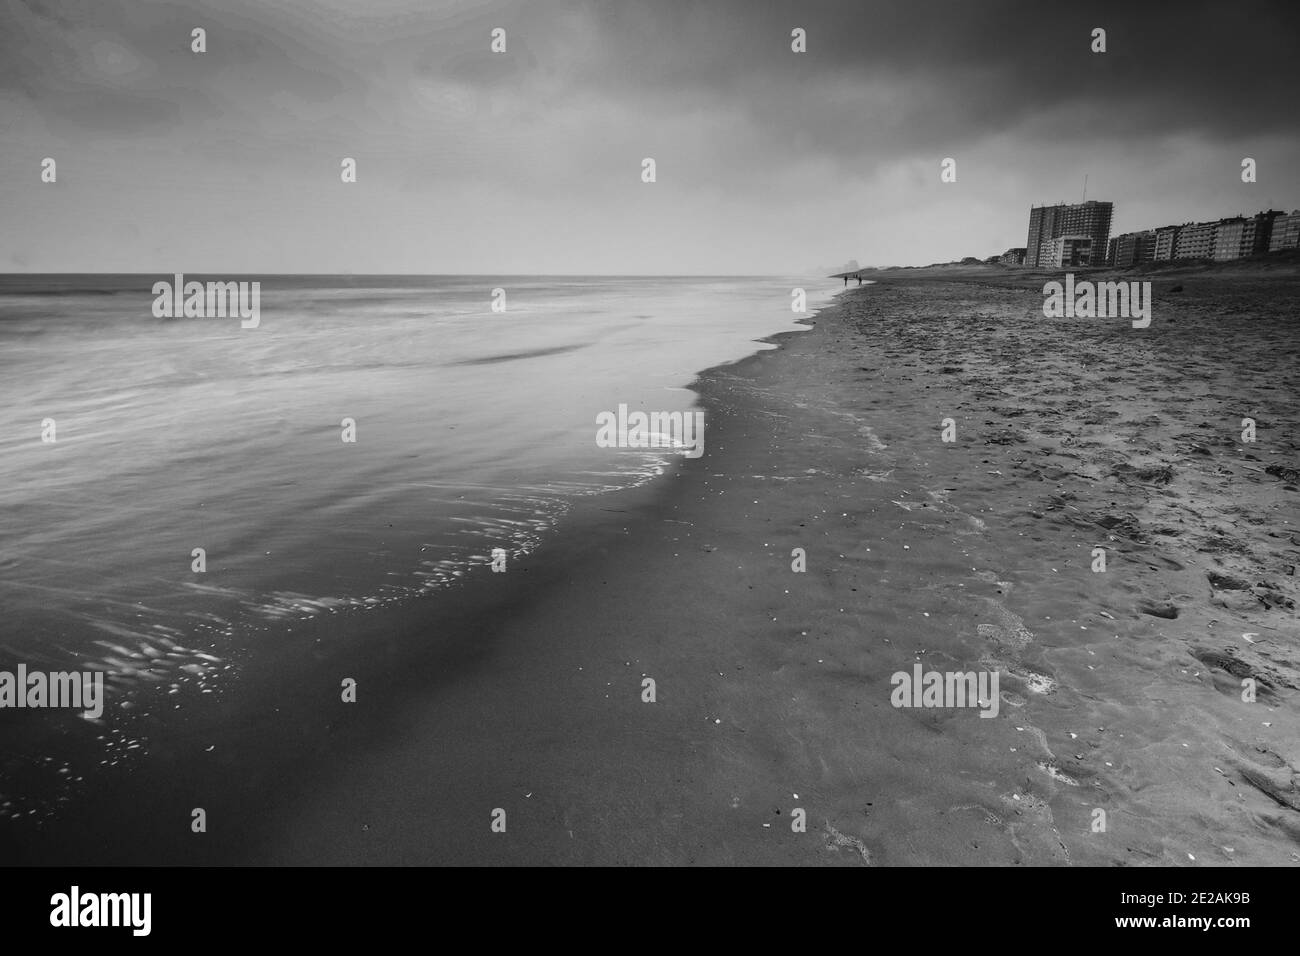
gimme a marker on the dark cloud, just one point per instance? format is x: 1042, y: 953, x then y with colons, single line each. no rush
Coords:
x: 126, y: 66
x: 926, y: 76
x: 752, y: 140
x: 959, y: 69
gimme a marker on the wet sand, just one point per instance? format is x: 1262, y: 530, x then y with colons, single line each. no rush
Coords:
x: 1120, y: 690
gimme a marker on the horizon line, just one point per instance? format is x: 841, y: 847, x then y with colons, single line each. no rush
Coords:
x: 408, y: 275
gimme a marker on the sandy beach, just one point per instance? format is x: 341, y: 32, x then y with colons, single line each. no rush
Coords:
x: 1121, y: 691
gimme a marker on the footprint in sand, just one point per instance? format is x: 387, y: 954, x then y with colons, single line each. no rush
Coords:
x: 1055, y: 772
x: 1036, y: 682
x: 835, y: 840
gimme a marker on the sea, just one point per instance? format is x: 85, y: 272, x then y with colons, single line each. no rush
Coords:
x: 176, y: 491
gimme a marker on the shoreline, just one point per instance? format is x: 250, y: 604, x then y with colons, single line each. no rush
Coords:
x: 278, y: 725
x: 772, y: 683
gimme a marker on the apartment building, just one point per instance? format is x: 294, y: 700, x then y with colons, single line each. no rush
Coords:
x: 1166, y: 243
x: 1047, y: 223
x: 1132, y: 248
x: 1196, y: 240
x: 1227, y: 238
x: 1065, y: 251
x: 1285, y: 233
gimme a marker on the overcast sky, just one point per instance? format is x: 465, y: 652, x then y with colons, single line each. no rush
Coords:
x: 768, y: 161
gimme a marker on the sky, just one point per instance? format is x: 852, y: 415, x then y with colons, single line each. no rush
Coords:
x: 767, y: 161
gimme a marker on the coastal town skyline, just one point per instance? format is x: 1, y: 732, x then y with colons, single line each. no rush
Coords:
x: 1084, y: 228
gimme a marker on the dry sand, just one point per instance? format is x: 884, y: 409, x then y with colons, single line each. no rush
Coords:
x: 773, y: 686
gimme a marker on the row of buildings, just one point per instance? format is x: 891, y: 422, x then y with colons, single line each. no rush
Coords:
x: 1078, y: 234
x: 1232, y: 238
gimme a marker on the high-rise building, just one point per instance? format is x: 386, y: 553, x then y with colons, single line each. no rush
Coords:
x: 1239, y: 236
x: 1227, y: 238
x: 1258, y: 231
x: 1166, y: 243
x: 1286, y: 232
x: 1065, y: 251
x: 1196, y: 240
x: 1132, y: 249
x: 1091, y: 219
x: 1042, y: 227
x: 1145, y: 249
x: 1013, y: 257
